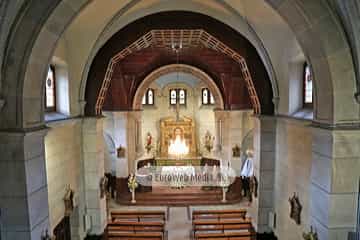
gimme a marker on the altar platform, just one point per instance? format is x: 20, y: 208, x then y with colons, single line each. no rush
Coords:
x: 186, y: 196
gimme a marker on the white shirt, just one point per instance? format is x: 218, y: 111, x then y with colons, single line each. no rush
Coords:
x: 248, y: 168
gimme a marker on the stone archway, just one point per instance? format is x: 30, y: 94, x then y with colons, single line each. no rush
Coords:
x: 219, y: 102
x: 23, y: 73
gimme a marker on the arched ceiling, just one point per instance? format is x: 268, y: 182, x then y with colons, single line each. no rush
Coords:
x: 111, y: 17
x: 177, y: 77
x: 275, y: 27
x: 197, y: 52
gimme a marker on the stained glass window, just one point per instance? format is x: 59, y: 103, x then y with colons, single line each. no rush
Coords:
x: 207, y: 97
x: 50, y: 92
x: 182, y: 97
x: 308, y: 86
x: 173, y: 97
x: 148, y: 98
x: 178, y: 95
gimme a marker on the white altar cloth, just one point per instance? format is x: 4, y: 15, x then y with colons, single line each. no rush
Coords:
x: 178, y: 170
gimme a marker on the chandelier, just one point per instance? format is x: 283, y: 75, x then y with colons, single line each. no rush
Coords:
x: 178, y: 147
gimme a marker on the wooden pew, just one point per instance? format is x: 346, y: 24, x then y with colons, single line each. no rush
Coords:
x: 222, y: 225
x: 219, y: 214
x: 135, y: 236
x: 226, y: 236
x: 137, y: 215
x: 131, y: 226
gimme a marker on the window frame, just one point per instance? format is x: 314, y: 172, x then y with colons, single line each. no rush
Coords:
x: 53, y: 108
x: 209, y: 96
x: 305, y: 104
x: 170, y: 98
x: 177, y: 97
x: 185, y: 96
x: 146, y: 95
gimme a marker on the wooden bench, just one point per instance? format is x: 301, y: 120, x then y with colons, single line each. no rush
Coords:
x: 226, y: 236
x: 222, y: 225
x: 135, y: 236
x: 137, y: 215
x: 131, y: 226
x: 219, y: 214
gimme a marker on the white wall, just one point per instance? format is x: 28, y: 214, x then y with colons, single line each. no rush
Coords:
x: 59, y: 61
x: 293, y: 174
x: 115, y: 134
x: 63, y: 147
x: 203, y: 116
x: 241, y: 124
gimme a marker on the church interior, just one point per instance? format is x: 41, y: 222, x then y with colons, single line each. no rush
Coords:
x: 175, y: 120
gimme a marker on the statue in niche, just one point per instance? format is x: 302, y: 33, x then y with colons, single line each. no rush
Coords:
x: 295, y: 209
x: 209, y: 141
x: 69, y: 201
x: 121, y: 152
x: 103, y: 186
x: 149, y: 142
x: 312, y: 235
x: 236, y: 151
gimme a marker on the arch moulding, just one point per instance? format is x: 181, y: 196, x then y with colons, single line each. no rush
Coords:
x: 184, y: 68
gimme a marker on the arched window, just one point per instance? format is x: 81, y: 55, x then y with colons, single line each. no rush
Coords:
x: 308, y: 87
x: 149, y: 97
x: 182, y: 97
x: 173, y: 97
x: 178, y: 95
x: 207, y: 97
x: 50, y: 90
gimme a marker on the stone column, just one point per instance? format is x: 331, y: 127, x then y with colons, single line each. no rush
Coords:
x: 24, y: 207
x: 93, y: 152
x: 134, y: 138
x: 334, y: 182
x: 120, y: 137
x: 264, y: 170
x: 222, y: 139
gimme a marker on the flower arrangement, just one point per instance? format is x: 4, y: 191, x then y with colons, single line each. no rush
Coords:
x: 132, y: 184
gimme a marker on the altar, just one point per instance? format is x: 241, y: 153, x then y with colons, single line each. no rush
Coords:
x: 163, y: 161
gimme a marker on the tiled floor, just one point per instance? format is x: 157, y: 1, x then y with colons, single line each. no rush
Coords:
x: 179, y: 225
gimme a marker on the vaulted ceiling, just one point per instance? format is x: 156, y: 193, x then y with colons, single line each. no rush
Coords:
x: 155, y: 51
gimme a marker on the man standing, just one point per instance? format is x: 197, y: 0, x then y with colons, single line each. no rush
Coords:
x: 247, y: 171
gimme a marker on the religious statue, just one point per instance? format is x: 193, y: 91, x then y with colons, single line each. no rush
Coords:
x: 148, y: 145
x: 69, y: 201
x: 312, y: 235
x: 121, y: 152
x: 45, y: 235
x: 209, y: 141
x: 295, y: 209
x: 103, y: 186
x: 236, y: 151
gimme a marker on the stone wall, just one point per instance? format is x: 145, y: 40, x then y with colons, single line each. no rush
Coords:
x: 293, y: 171
x: 63, y: 151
